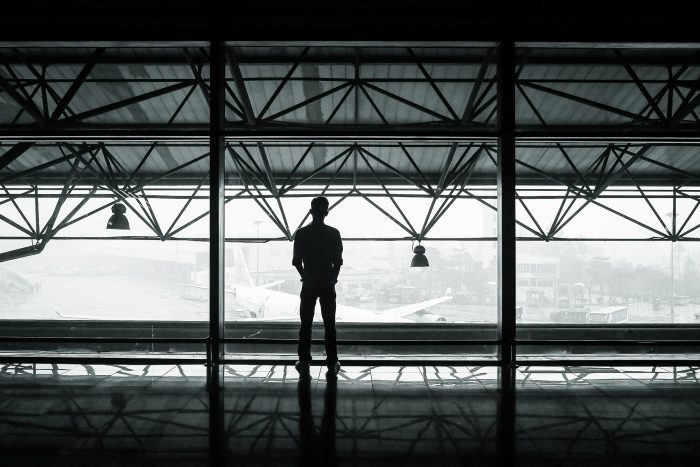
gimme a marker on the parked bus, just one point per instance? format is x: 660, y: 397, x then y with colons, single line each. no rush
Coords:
x: 608, y: 315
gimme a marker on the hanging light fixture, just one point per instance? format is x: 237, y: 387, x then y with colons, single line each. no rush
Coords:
x: 118, y: 220
x: 419, y: 259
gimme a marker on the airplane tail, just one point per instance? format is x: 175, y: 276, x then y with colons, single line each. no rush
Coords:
x: 239, y: 272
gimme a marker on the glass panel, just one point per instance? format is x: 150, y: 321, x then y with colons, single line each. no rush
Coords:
x: 62, y: 272
x: 380, y: 217
x: 606, y: 248
x: 606, y: 228
x: 83, y: 279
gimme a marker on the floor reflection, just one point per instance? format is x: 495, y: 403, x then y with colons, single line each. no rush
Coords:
x: 317, y: 447
x: 66, y: 414
x: 383, y: 415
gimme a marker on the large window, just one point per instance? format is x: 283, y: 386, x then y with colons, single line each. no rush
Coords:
x: 381, y: 214
x: 606, y: 252
x: 604, y: 246
x: 403, y: 142
x: 63, y: 273
x: 66, y: 274
x: 605, y: 224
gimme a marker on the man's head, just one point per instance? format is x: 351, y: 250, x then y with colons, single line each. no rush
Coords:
x: 319, y: 207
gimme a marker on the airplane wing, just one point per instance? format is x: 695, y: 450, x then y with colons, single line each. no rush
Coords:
x: 343, y: 312
x: 61, y: 315
x: 405, y: 310
x: 271, y: 284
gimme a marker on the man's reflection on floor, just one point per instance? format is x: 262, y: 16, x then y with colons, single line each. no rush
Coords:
x: 317, y: 448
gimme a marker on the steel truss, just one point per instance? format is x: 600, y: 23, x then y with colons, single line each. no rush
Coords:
x: 103, y: 176
x: 95, y: 173
x: 34, y: 82
x: 349, y: 170
x: 665, y: 93
x: 610, y: 175
x: 50, y: 92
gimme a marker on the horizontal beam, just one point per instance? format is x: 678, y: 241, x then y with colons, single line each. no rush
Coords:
x: 620, y: 342
x: 486, y: 180
x: 240, y: 340
x: 200, y: 132
x: 106, y: 359
x: 350, y: 133
x: 383, y: 342
x: 644, y: 361
x: 608, y: 133
x: 418, y: 360
x: 402, y: 192
x: 365, y: 239
x: 247, y: 55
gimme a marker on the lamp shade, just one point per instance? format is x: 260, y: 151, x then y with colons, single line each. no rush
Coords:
x: 118, y: 220
x: 419, y: 259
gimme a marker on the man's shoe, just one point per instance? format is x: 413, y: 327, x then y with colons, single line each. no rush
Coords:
x: 302, y: 367
x: 334, y: 367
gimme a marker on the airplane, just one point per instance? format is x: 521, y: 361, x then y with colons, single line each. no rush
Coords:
x: 266, y: 304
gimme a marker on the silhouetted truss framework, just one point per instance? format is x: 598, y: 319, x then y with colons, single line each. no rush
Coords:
x: 93, y: 95
x: 613, y: 178
x: 167, y: 88
x: 597, y: 129
x: 114, y: 173
x: 78, y: 175
x: 107, y: 91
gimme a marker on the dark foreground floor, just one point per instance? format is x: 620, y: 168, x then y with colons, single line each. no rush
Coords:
x: 107, y: 415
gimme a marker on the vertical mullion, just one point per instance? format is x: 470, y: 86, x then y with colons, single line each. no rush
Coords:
x: 506, y: 202
x: 216, y: 212
x: 216, y: 203
x: 506, y: 247
x: 215, y: 352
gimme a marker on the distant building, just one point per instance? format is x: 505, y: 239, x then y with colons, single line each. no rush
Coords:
x: 537, y: 279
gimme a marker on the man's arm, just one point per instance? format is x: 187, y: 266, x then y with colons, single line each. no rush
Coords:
x: 296, y: 258
x: 338, y: 257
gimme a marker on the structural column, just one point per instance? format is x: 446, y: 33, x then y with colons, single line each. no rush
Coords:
x: 506, y: 246
x: 216, y: 201
x: 217, y: 159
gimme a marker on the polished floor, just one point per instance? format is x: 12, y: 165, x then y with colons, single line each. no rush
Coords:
x: 115, y: 415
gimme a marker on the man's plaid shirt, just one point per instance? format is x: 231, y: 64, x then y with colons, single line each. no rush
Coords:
x: 319, y: 248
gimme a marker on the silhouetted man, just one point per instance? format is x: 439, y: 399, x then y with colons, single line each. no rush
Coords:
x: 318, y: 252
